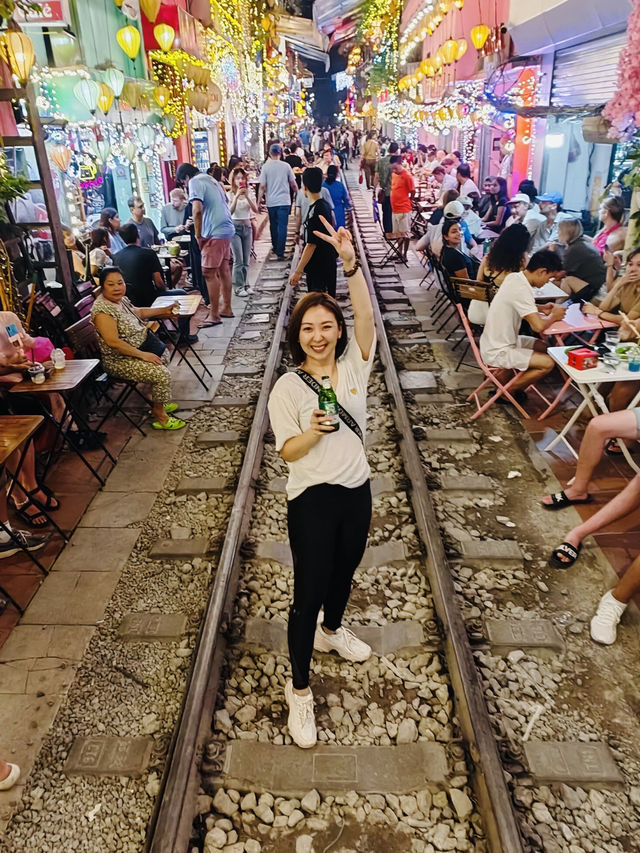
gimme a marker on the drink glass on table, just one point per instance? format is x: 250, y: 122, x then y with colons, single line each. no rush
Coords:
x: 612, y: 340
x: 37, y: 373
x: 633, y: 362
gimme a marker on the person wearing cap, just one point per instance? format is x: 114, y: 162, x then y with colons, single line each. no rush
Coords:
x: 466, y: 186
x: 533, y: 217
x: 547, y: 232
x: 470, y: 217
x: 519, y: 205
x: 277, y: 182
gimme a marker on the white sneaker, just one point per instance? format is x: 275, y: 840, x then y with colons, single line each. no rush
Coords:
x: 302, y: 721
x: 605, y: 622
x: 344, y: 642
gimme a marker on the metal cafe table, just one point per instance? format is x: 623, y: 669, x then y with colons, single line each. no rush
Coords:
x: 189, y: 304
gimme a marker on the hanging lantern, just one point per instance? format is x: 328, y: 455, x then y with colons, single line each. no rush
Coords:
x: 18, y: 48
x: 87, y: 92
x: 64, y: 47
x: 164, y: 34
x: 479, y: 35
x: 168, y: 123
x: 444, y: 6
x: 146, y: 135
x: 214, y: 100
x: 129, y: 40
x: 449, y: 51
x: 103, y: 149
x: 105, y: 98
x: 151, y: 8
x: 61, y: 156
x: 458, y: 4
x: 131, y: 92
x: 114, y: 78
x: 129, y: 150
x: 429, y: 68
x: 462, y: 49
x: 161, y: 96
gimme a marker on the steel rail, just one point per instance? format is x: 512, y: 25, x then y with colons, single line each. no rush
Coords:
x: 496, y: 807
x: 171, y: 825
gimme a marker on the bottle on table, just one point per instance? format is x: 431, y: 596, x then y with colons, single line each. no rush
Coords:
x: 486, y: 246
x: 328, y: 402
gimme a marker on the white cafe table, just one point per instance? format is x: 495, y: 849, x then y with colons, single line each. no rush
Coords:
x: 588, y: 383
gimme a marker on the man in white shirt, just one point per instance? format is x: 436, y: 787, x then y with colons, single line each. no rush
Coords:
x: 277, y: 183
x: 450, y: 181
x: 466, y: 186
x: 474, y: 223
x: 547, y: 230
x: 501, y: 344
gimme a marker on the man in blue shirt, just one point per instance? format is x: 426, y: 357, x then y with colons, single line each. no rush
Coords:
x: 277, y: 184
x: 305, y: 138
x: 213, y: 230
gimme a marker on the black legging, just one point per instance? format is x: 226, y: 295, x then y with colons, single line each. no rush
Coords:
x: 328, y: 528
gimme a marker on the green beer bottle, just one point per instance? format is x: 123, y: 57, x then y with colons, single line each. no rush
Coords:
x: 328, y: 402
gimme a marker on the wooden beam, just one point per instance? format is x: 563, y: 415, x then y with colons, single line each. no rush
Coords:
x: 17, y: 141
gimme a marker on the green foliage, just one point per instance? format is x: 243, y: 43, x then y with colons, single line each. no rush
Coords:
x: 11, y: 186
x: 632, y: 178
x: 8, y: 7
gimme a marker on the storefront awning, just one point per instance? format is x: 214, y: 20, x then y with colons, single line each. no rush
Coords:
x: 329, y: 15
x: 303, y: 37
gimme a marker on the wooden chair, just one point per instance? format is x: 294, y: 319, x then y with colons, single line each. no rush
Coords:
x: 83, y: 306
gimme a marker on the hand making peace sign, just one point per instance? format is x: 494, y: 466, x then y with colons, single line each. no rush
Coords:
x: 341, y: 241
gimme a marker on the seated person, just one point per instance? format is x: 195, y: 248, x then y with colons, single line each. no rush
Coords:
x: 470, y: 217
x: 585, y: 272
x: 498, y: 209
x: 466, y: 186
x: 148, y: 232
x: 624, y: 298
x: 172, y: 221
x: 129, y: 351
x: 142, y: 271
x: 612, y: 235
x: 99, y: 250
x: 507, y: 254
x: 501, y: 343
x: 433, y: 235
x: 454, y: 261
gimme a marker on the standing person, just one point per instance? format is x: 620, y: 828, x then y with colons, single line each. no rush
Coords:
x: 172, y: 221
x: 316, y: 141
x: 146, y: 227
x: 241, y: 204
x: 277, y: 182
x: 328, y: 487
x: 402, y: 190
x: 110, y: 219
x: 382, y: 180
x: 318, y: 256
x: 370, y: 151
x: 213, y: 230
x: 99, y: 250
x: 339, y: 196
x: 305, y: 137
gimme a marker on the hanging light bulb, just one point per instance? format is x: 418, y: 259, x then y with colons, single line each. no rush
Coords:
x: 105, y: 98
x: 449, y: 51
x: 114, y: 78
x: 18, y: 48
x: 444, y: 6
x: 61, y: 156
x: 479, y: 35
x: 164, y: 34
x: 161, y: 95
x: 462, y: 49
x: 129, y: 40
x: 87, y: 92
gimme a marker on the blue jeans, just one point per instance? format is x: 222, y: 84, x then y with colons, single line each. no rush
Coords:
x: 183, y: 322
x: 241, y: 243
x: 278, y: 221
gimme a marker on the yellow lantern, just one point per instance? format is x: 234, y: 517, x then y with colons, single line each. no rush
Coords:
x: 449, y: 51
x: 419, y: 75
x: 61, y: 156
x: 479, y: 35
x: 266, y: 23
x: 458, y: 4
x: 161, y: 95
x: 129, y: 40
x: 164, y: 34
x: 129, y: 151
x: 439, y: 57
x: 151, y: 9
x: 131, y: 93
x: 462, y: 49
x: 18, y: 48
x: 105, y: 98
x: 429, y: 68
x: 444, y: 6
x: 87, y: 92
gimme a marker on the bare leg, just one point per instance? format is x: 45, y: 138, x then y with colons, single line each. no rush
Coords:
x: 618, y: 507
x: 213, y: 287
x: 599, y: 430
x: 224, y: 272
x: 539, y: 366
x: 628, y: 584
x: 159, y: 413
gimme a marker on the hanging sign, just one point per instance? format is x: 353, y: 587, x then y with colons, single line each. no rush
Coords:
x: 53, y: 13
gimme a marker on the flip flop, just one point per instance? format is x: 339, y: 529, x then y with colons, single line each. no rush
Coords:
x: 566, y: 550
x: 210, y: 324
x: 171, y: 423
x: 559, y: 501
x: 227, y: 316
x: 170, y: 408
x: 12, y: 778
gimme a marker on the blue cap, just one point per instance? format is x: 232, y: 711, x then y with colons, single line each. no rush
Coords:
x: 554, y: 198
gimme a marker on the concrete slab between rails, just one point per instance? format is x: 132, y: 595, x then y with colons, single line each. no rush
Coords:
x: 446, y: 436
x: 108, y: 756
x: 152, y: 627
x: 211, y: 439
x: 420, y: 366
x: 433, y: 399
x: 412, y: 341
x: 398, y: 321
x: 523, y: 634
x: 417, y: 380
x: 383, y: 639
x: 376, y: 555
x: 289, y: 771
x: 197, y: 485
x: 574, y: 763
x: 491, y: 549
x: 242, y: 369
x: 177, y: 549
x: 479, y: 483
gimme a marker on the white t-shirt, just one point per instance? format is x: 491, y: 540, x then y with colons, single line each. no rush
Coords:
x: 339, y: 457
x: 450, y: 183
x: 468, y: 187
x: 513, y: 301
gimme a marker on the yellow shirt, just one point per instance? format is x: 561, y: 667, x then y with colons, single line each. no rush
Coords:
x: 370, y: 149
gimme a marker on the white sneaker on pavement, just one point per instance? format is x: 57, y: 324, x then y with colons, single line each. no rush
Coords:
x: 605, y: 622
x: 302, y: 721
x: 344, y: 642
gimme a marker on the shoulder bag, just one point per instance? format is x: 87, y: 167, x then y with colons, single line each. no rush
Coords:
x: 345, y: 417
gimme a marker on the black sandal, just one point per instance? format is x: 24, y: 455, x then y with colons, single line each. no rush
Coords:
x: 564, y: 550
x: 52, y: 504
x: 559, y: 500
x: 37, y: 519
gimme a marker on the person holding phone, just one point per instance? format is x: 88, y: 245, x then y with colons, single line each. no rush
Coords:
x: 241, y: 206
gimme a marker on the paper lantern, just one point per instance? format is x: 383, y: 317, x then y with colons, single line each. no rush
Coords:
x: 197, y: 99
x: 437, y: 61
x: 18, y: 48
x: 129, y: 151
x: 151, y: 9
x: 131, y: 93
x: 462, y: 49
x: 146, y: 135
x: 164, y: 34
x: 87, y: 92
x: 105, y: 98
x: 103, y: 149
x: 458, y: 4
x: 161, y: 95
x: 449, y: 51
x: 429, y: 68
x: 64, y: 47
x: 214, y: 101
x: 61, y: 156
x: 479, y: 35
x: 129, y: 40
x: 114, y: 78
x: 168, y: 123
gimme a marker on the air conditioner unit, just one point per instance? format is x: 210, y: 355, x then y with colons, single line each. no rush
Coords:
x: 596, y: 129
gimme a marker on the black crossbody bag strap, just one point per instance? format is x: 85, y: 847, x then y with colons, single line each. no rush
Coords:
x: 345, y: 417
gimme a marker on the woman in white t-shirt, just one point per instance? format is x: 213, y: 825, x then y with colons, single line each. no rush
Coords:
x: 241, y: 205
x: 329, y: 509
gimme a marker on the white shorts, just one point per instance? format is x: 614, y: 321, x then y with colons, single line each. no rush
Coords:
x: 515, y: 358
x: 401, y: 223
